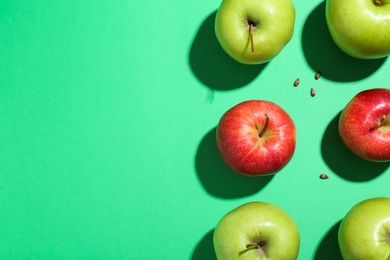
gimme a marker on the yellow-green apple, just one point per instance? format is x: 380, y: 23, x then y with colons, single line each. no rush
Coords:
x: 256, y: 137
x: 364, y: 233
x: 361, y: 28
x: 364, y: 125
x: 257, y: 230
x: 253, y: 31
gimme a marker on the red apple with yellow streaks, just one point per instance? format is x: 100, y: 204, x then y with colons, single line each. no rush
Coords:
x: 364, y: 125
x: 256, y: 137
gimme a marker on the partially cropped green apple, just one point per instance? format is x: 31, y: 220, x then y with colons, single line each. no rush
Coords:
x: 256, y: 230
x: 361, y: 28
x: 364, y: 233
x: 254, y: 31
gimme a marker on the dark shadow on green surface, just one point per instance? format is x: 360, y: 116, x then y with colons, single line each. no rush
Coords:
x: 342, y: 161
x: 328, y: 248
x: 204, y: 250
x: 322, y: 54
x: 217, y: 178
x: 212, y: 66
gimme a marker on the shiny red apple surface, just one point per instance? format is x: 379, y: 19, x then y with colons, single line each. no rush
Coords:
x: 256, y: 137
x: 364, y: 125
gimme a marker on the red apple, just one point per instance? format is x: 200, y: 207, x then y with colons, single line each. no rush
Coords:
x: 364, y: 125
x: 256, y: 138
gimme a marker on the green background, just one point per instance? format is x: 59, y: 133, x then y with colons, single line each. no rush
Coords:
x: 108, y: 112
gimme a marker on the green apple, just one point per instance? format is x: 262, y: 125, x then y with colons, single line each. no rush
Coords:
x: 361, y: 28
x: 256, y: 230
x: 254, y: 31
x: 364, y: 233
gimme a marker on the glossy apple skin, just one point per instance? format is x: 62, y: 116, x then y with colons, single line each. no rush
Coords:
x: 254, y: 222
x: 239, y: 143
x: 364, y: 232
x: 359, y: 27
x: 359, y: 121
x: 274, y: 28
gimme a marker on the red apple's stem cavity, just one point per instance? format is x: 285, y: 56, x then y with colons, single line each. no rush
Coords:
x: 383, y: 125
x: 261, y: 133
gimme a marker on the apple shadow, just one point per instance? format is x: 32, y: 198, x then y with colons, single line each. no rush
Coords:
x: 328, y: 248
x: 205, y: 248
x: 322, y: 54
x: 342, y: 161
x: 217, y: 178
x: 213, y: 66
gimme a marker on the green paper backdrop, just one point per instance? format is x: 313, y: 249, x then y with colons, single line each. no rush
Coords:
x: 108, y: 112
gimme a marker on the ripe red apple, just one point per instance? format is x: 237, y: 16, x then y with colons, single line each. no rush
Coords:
x: 364, y: 125
x: 256, y: 137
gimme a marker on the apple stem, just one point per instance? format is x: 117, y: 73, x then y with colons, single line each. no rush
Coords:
x: 383, y: 120
x: 377, y: 2
x: 251, y: 37
x: 252, y: 246
x: 265, y: 125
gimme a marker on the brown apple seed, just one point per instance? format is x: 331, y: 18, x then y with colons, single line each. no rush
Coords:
x: 318, y: 75
x: 296, y: 82
x: 324, y: 176
x: 312, y: 92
